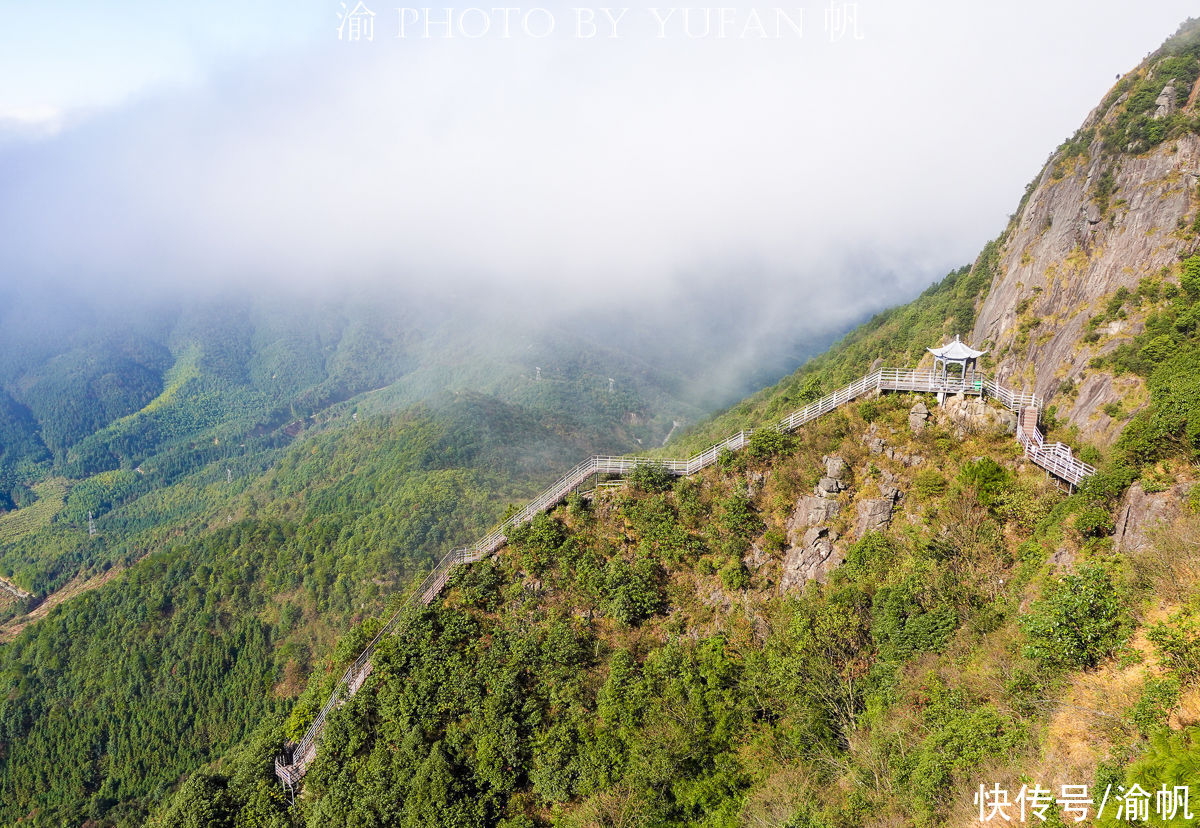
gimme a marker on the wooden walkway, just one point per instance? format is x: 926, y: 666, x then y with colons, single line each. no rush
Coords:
x: 1055, y: 458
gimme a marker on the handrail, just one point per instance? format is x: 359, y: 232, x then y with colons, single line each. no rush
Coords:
x: 1055, y: 458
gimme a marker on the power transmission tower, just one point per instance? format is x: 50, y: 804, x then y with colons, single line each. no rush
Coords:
x: 228, y: 475
x: 91, y: 525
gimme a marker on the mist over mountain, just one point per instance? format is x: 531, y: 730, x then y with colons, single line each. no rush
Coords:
x: 284, y: 320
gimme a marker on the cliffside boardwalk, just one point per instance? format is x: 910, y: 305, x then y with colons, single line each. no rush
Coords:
x: 1055, y: 458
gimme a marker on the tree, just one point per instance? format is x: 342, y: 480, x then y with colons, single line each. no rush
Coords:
x: 1079, y: 620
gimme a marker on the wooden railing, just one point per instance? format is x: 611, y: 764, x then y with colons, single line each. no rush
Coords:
x: 1055, y: 458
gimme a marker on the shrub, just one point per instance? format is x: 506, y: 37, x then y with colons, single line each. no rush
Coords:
x: 651, y: 478
x: 1171, y: 759
x: 774, y: 540
x: 929, y: 483
x: 538, y: 541
x: 810, y: 391
x: 1078, y: 621
x: 1172, y: 421
x: 1158, y: 349
x: 1178, y: 645
x: 960, y: 736
x: 870, y: 410
x: 739, y: 522
x: 1094, y: 522
x: 766, y: 443
x: 902, y: 626
x: 987, y: 477
x: 1189, y: 278
x: 735, y: 576
x: 1158, y: 698
x: 631, y: 592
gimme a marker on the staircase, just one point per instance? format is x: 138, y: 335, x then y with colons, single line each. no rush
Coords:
x: 1055, y: 458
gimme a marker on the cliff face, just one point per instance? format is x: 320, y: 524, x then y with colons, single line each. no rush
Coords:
x: 1114, y: 206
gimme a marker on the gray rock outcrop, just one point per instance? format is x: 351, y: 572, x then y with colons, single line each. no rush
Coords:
x: 1063, y: 259
x: 917, y: 416
x: 973, y: 414
x: 874, y: 515
x: 1142, y: 512
x: 1165, y: 102
x: 813, y: 559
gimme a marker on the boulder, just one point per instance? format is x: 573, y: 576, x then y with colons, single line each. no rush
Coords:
x: 874, y: 515
x: 917, y: 415
x: 814, y: 558
x: 828, y: 486
x: 973, y: 414
x: 1142, y: 512
x: 812, y: 511
x: 835, y: 467
x: 1165, y: 102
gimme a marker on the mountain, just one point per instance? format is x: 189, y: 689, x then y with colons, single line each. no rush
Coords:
x: 854, y: 624
x: 1110, y: 216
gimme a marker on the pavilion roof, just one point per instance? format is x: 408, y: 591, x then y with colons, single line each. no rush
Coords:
x: 956, y: 350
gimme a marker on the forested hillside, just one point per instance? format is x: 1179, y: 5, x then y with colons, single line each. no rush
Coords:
x: 680, y: 653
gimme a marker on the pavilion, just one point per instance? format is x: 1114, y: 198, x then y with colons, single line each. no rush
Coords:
x: 955, y: 353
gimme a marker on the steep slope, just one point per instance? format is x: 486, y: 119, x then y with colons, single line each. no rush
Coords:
x: 1115, y: 206
x: 837, y: 628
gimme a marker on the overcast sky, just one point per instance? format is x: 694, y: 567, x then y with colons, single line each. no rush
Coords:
x: 834, y: 172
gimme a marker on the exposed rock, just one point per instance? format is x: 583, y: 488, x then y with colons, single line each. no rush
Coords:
x: 1165, y: 101
x: 714, y: 598
x: 1142, y: 512
x: 828, y: 486
x: 754, y: 483
x: 1062, y: 557
x: 1068, y: 267
x: 875, y: 445
x: 756, y: 558
x: 917, y: 415
x: 972, y: 414
x: 887, y: 485
x: 874, y: 515
x: 814, y: 558
x: 811, y: 511
x: 1095, y: 392
x: 835, y: 467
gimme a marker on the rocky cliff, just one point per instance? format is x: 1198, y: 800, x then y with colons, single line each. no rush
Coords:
x: 1114, y: 207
